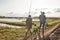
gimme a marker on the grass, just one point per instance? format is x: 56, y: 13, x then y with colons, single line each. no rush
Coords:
x: 7, y: 33
x: 10, y: 33
x: 23, y: 23
x: 14, y: 23
x: 50, y: 22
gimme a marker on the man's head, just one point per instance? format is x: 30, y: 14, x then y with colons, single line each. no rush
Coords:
x: 42, y: 13
x: 29, y: 16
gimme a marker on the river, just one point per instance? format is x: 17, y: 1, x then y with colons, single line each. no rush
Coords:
x: 13, y: 20
x: 10, y: 20
x: 10, y: 26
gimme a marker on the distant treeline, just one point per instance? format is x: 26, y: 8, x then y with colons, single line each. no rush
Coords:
x: 25, y: 17
x: 13, y: 17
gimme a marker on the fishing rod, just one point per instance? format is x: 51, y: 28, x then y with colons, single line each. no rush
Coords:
x: 30, y: 7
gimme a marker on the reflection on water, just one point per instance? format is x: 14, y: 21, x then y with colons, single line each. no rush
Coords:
x: 12, y: 20
x: 15, y: 20
x: 6, y: 25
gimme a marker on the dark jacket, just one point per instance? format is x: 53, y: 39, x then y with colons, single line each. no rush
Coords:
x: 42, y: 19
x: 29, y: 22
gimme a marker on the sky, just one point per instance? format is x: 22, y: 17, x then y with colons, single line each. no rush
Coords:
x: 22, y: 7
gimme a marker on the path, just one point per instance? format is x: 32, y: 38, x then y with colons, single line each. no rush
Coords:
x: 50, y: 30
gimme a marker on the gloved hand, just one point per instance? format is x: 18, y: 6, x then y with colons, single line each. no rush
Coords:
x: 34, y: 24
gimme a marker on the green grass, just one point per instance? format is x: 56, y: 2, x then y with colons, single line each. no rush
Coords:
x: 7, y: 33
x: 14, y: 23
x: 11, y: 33
x: 50, y: 22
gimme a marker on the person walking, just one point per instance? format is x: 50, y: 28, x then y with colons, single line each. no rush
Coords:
x: 42, y: 19
x: 29, y: 25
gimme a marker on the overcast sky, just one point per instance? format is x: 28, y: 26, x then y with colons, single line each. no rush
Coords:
x: 19, y: 7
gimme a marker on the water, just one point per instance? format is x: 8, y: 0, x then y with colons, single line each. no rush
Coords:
x: 12, y: 20
x: 15, y: 20
x: 11, y: 26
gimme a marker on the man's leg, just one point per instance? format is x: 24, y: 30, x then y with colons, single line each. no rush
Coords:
x: 31, y: 34
x: 39, y: 28
x: 25, y: 37
x: 43, y: 31
x: 39, y: 34
x: 28, y: 30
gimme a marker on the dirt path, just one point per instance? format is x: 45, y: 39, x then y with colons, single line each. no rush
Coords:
x: 48, y: 31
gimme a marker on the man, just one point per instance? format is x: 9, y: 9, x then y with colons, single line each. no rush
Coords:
x: 29, y: 25
x: 42, y: 19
